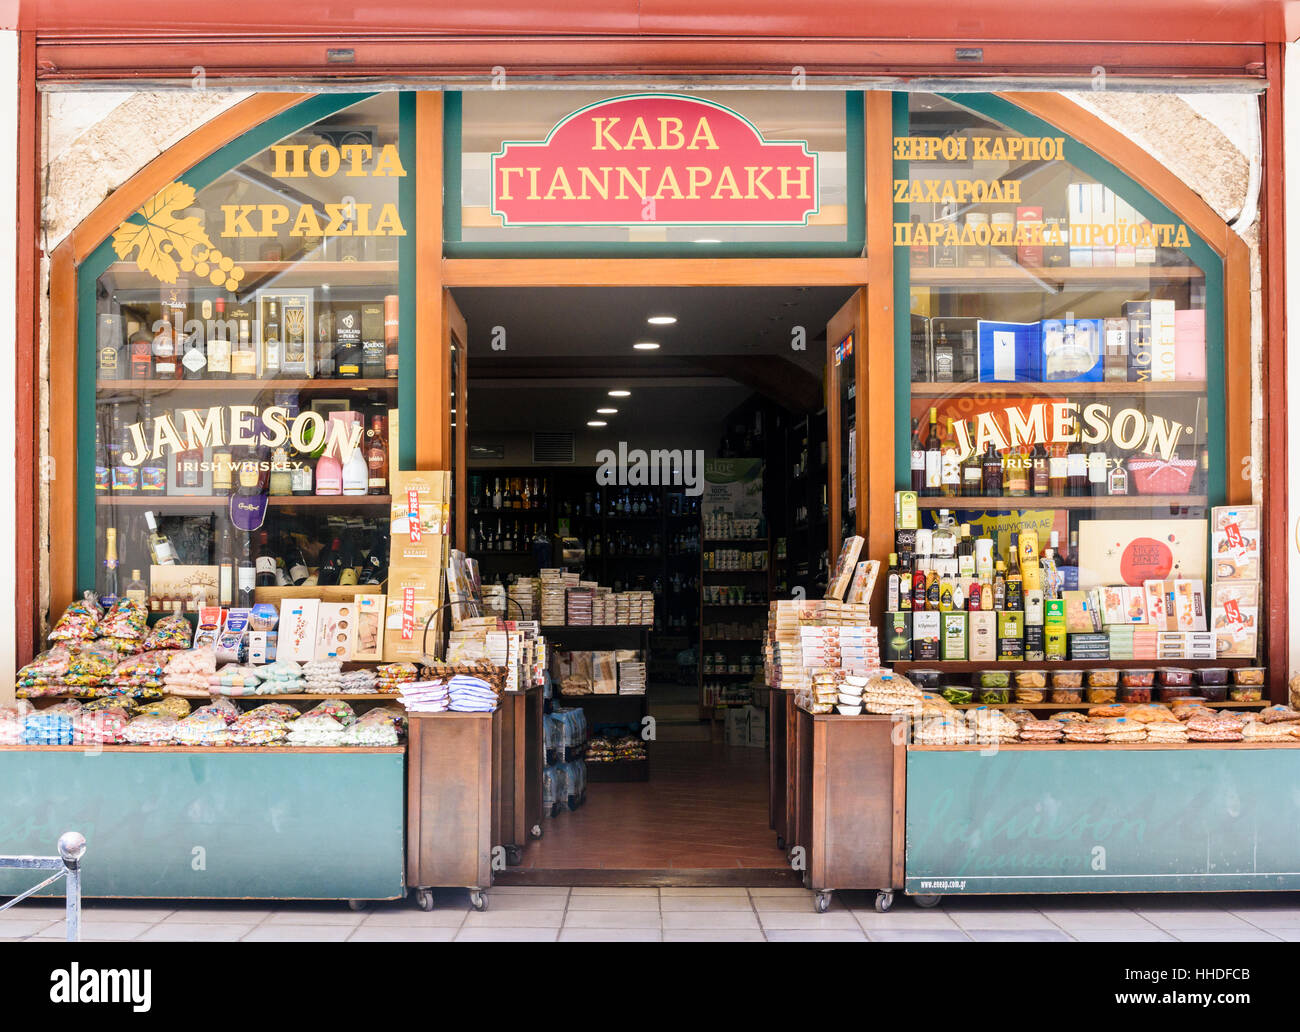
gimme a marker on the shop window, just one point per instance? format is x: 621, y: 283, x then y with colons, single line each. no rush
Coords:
x: 247, y: 356
x: 704, y: 173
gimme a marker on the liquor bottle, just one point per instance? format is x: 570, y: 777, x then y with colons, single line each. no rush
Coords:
x: 226, y: 565
x: 281, y: 475
x: 373, y: 347
x: 125, y: 478
x: 272, y: 345
x: 194, y: 349
x: 991, y: 469
x: 160, y: 546
x: 103, y: 472
x: 1097, y: 470
x: 264, y: 564
x: 496, y: 493
x: 965, y: 554
x: 245, y: 576
x: 108, y: 578
x: 1077, y: 469
x: 136, y: 589
x: 348, y: 564
x: 933, y: 457
x: 1000, y: 586
x: 377, y: 458
x: 165, y: 365
x: 904, y: 600
x: 326, y: 342
x: 1039, y: 471
x: 945, y: 358
x: 330, y: 565
x: 920, y: 564
x: 243, y: 356
x: 1117, y: 482
x: 1016, y: 477
x: 329, y: 468
x: 972, y: 474
x: 153, y: 473
x: 1058, y: 471
x: 543, y: 494
x: 141, y: 348
x: 375, y: 568
x: 112, y: 359
x: 296, y: 563
x: 356, y: 471
x: 391, y: 335
x: 950, y: 466
x: 526, y: 496
x: 219, y: 343
x: 246, y: 471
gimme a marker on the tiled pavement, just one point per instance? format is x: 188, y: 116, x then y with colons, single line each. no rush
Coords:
x: 683, y: 915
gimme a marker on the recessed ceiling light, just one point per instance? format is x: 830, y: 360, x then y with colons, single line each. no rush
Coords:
x: 708, y: 240
x: 662, y: 320
x: 607, y: 412
x: 646, y: 345
x: 620, y: 394
x: 596, y: 422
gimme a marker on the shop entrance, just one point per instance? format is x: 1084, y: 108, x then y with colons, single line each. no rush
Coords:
x: 675, y: 442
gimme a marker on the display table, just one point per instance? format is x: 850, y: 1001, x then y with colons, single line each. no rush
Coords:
x: 849, y: 813
x: 1114, y: 818
x: 173, y: 822
x: 451, y: 784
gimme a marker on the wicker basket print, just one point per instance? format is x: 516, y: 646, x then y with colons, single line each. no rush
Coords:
x: 1155, y: 476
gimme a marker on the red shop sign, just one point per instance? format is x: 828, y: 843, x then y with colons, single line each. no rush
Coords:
x: 654, y: 158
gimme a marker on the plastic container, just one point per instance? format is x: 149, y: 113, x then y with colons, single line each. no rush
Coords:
x: 995, y: 696
x: 1099, y: 696
x: 994, y: 679
x: 1138, y: 678
x: 1067, y: 679
x: 924, y: 678
x: 1103, y: 679
x: 1248, y: 675
x: 1066, y: 696
x: 958, y: 696
x: 1135, y: 693
x: 1212, y: 675
x: 1245, y: 693
x: 1031, y: 679
x: 1176, y: 677
x: 1213, y: 692
x: 1173, y: 693
x: 1030, y: 696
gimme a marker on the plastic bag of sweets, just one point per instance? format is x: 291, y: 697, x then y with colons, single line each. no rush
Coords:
x: 47, y: 667
x: 106, y: 726
x: 203, y: 727
x: 44, y: 727
x: 336, y: 708
x: 80, y: 621
x: 143, y: 670
x: 171, y: 632
x: 228, y: 710
x: 128, y: 620
x: 254, y: 730
x: 168, y: 706
x: 93, y: 664
x: 151, y: 730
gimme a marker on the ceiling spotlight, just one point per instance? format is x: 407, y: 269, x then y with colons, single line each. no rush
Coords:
x: 662, y: 320
x: 596, y: 422
x: 607, y: 412
x: 620, y: 394
x: 646, y: 345
x: 708, y: 240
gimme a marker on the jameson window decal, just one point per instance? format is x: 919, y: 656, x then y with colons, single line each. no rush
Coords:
x: 654, y: 158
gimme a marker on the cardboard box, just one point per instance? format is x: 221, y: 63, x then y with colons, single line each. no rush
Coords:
x: 413, y: 598
x: 1010, y: 352
x: 336, y: 631
x: 1235, y: 542
x: 1125, y: 219
x: 297, y: 629
x: 1189, y: 344
x: 1035, y: 647
x: 1189, y: 605
x: 982, y: 644
x: 1114, y: 350
x: 953, y: 634
x: 370, y: 627
x: 1054, y: 629
x: 737, y: 726
x: 898, y: 637
x: 1029, y: 225
x: 1073, y: 350
x: 418, y: 542
x: 1164, y: 348
x: 1103, y: 219
x: 1011, y: 635
x: 1138, y: 314
x: 926, y: 634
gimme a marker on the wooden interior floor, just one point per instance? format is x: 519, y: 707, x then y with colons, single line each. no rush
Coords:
x: 704, y: 807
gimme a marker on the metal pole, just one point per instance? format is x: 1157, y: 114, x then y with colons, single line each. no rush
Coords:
x: 72, y: 847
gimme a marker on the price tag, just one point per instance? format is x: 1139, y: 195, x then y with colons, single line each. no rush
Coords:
x: 413, y: 527
x: 408, y: 614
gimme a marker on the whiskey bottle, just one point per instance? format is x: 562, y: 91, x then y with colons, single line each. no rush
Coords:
x: 1117, y: 481
x: 1039, y: 471
x: 219, y: 343
x: 272, y: 347
x: 245, y: 576
x: 377, y: 458
x: 391, y: 335
x: 1058, y: 471
x: 194, y: 351
x: 164, y: 350
x: 1077, y: 469
x: 160, y: 546
x: 991, y: 468
x: 111, y: 349
x: 153, y: 474
x: 103, y: 472
x: 326, y: 346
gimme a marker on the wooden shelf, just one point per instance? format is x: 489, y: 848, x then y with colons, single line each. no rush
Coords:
x: 1088, y: 705
x: 314, y: 385
x: 274, y: 502
x: 303, y: 273
x: 735, y: 541
x: 736, y: 605
x: 325, y: 593
x: 1132, y: 501
x: 268, y: 749
x: 1029, y: 278
x: 741, y: 573
x: 967, y: 389
x: 954, y: 666
x: 1106, y: 746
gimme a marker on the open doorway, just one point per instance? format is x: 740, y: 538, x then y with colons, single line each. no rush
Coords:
x: 671, y: 441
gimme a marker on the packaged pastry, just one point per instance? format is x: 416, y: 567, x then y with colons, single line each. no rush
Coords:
x: 1278, y: 714
x: 1067, y: 696
x: 1248, y: 676
x: 1137, y: 678
x: 1067, y: 678
x: 1103, y: 678
x: 1176, y: 677
x: 1031, y: 679
x: 1098, y: 696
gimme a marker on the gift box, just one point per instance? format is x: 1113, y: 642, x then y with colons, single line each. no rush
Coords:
x: 1010, y: 352
x: 1189, y: 344
x: 1158, y: 476
x: 1072, y: 350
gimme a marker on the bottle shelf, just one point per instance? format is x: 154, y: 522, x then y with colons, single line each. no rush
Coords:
x: 955, y: 666
x: 967, y: 388
x: 1131, y: 501
x: 165, y: 502
x: 298, y: 273
x: 316, y: 385
x: 1054, y: 279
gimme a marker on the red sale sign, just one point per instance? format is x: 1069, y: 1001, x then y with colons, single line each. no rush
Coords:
x: 654, y: 158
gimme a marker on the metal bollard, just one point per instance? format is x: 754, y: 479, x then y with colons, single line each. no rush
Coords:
x: 72, y: 847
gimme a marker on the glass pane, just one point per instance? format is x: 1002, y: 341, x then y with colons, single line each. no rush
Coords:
x: 1059, y: 385
x: 846, y: 376
x: 493, y: 119
x: 242, y: 409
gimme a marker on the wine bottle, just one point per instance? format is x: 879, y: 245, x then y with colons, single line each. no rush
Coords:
x: 330, y: 565
x: 160, y: 546
x: 108, y: 579
x: 264, y: 565
x: 246, y: 575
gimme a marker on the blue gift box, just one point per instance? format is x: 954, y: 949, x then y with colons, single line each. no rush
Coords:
x: 1010, y: 352
x: 1073, y: 350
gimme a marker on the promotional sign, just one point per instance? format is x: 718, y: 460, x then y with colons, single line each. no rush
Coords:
x: 670, y: 160
x: 733, y: 487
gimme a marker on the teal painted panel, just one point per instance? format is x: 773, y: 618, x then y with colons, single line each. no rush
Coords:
x: 273, y: 825
x: 1061, y: 820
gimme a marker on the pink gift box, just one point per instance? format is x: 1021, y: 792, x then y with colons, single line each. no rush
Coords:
x: 1189, y: 344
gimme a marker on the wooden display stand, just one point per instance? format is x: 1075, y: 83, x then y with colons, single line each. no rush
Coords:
x: 451, y: 814
x: 848, y: 778
x: 519, y: 771
x: 778, y: 715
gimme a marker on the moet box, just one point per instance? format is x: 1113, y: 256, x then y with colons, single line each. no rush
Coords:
x: 983, y: 637
x: 953, y: 635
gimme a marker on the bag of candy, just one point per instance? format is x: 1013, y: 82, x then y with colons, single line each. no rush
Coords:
x: 145, y: 669
x: 47, y: 667
x: 335, y: 708
x: 80, y: 621
x: 171, y: 632
x: 127, y: 620
x: 169, y: 706
x: 151, y: 730
x: 91, y: 665
x: 106, y: 726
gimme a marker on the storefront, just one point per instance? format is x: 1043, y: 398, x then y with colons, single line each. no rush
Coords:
x: 1068, y: 272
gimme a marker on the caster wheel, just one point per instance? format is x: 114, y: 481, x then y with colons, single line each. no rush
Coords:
x: 822, y: 902
x: 424, y: 899
x: 927, y: 901
x: 535, y: 831
x: 884, y: 902
x: 357, y: 904
x: 477, y: 900
x: 780, y: 842
x: 514, y: 854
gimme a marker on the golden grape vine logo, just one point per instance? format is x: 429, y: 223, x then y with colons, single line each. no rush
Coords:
x: 166, y: 244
